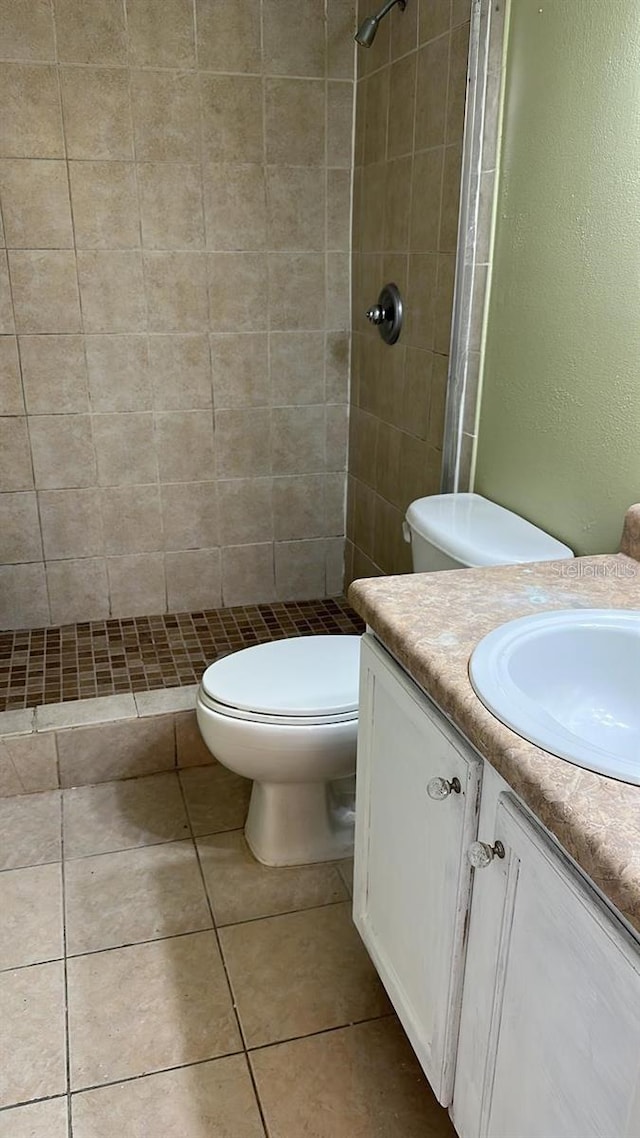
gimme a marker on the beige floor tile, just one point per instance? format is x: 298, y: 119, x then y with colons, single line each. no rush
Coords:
x: 240, y: 888
x: 359, y: 1082
x: 140, y: 1009
x: 300, y: 973
x: 143, y: 894
x: 212, y: 1100
x: 32, y: 1041
x: 217, y: 799
x: 31, y: 908
x: 29, y: 829
x: 121, y: 815
x: 37, y: 1120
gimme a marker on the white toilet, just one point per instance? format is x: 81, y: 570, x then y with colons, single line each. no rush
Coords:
x: 285, y: 713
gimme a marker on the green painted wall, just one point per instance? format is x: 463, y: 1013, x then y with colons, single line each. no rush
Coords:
x: 559, y: 435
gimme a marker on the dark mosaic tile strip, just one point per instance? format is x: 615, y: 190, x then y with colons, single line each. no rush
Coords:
x: 78, y: 661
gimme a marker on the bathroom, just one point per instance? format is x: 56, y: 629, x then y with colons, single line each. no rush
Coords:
x: 203, y: 442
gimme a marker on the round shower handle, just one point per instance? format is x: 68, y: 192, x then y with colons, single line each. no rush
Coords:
x: 376, y: 314
x: 387, y: 314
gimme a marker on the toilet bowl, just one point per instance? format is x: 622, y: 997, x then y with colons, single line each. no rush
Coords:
x: 285, y: 714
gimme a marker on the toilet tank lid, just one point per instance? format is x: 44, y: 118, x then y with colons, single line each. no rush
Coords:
x: 302, y: 675
x: 478, y: 532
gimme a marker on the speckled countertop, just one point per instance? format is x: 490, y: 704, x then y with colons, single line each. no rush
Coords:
x: 432, y: 622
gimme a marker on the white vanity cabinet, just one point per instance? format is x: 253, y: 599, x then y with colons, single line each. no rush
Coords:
x: 550, y: 1030
x: 412, y: 879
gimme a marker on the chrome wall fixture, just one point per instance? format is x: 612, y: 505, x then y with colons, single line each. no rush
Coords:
x: 387, y: 314
x: 366, y: 33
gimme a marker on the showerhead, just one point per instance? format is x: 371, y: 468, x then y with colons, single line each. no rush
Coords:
x: 366, y: 33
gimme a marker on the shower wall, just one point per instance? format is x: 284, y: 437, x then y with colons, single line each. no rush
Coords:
x: 175, y: 185
x: 410, y: 102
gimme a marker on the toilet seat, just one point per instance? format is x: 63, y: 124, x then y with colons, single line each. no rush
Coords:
x: 303, y: 680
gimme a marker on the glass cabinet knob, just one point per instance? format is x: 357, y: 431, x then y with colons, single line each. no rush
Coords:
x: 481, y: 854
x: 439, y: 788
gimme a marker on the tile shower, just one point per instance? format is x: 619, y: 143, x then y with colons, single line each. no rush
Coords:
x: 177, y: 370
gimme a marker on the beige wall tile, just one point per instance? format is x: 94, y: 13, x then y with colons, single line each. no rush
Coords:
x: 245, y: 511
x: 248, y: 575
x: 31, y: 126
x: 54, y: 374
x: 334, y: 566
x: 337, y: 366
x: 235, y: 206
x: 298, y: 507
x: 404, y: 30
x: 298, y: 439
x: 193, y: 580
x: 431, y: 93
x: 438, y: 400
x: 171, y: 206
x: 297, y: 367
x: 340, y: 124
x: 11, y: 397
x: 444, y: 303
x: 27, y: 30
x: 451, y: 199
x: 180, y: 372
x: 338, y: 209
x: 164, y: 701
x: 176, y: 288
x: 376, y: 93
x: 20, y: 528
x: 35, y: 204
x: 62, y: 449
x: 71, y: 523
x: 458, y: 56
x: 336, y: 436
x: 7, y: 325
x: 397, y: 204
x: 300, y: 569
x: 434, y: 17
x: 166, y: 116
x: 91, y: 33
x: 338, y: 292
x: 294, y: 38
x: 105, y: 205
x: 296, y: 208
x: 240, y: 367
x: 82, y: 712
x: 294, y: 122
x: 34, y: 761
x: 45, y: 291
x: 341, y: 50
x: 296, y: 291
x: 190, y: 515
x: 131, y: 519
x: 32, y: 1002
x: 111, y: 291
x: 24, y: 601
x: 125, y: 451
x: 243, y: 442
x: 231, y: 118
x: 136, y: 588
x: 421, y: 298
x: 168, y: 41
x: 184, y: 444
x: 118, y: 373
x: 402, y: 102
x: 237, y: 292
x: 97, y: 113
x: 229, y: 35
x: 425, y: 201
x: 78, y: 590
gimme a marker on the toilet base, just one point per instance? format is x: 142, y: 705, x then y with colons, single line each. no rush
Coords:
x: 298, y: 823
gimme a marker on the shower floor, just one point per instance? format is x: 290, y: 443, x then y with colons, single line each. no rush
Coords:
x: 80, y: 661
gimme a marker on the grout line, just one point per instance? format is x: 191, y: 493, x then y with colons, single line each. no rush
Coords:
x: 322, y: 1031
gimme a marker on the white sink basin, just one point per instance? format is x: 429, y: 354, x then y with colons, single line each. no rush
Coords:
x: 568, y: 681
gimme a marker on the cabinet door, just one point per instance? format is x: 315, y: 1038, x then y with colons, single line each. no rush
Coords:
x: 557, y: 1052
x: 412, y: 881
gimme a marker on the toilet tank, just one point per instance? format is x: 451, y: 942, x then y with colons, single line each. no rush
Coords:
x: 458, y: 531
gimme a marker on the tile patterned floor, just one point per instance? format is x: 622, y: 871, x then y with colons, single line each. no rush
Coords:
x: 79, y: 661
x: 156, y: 980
